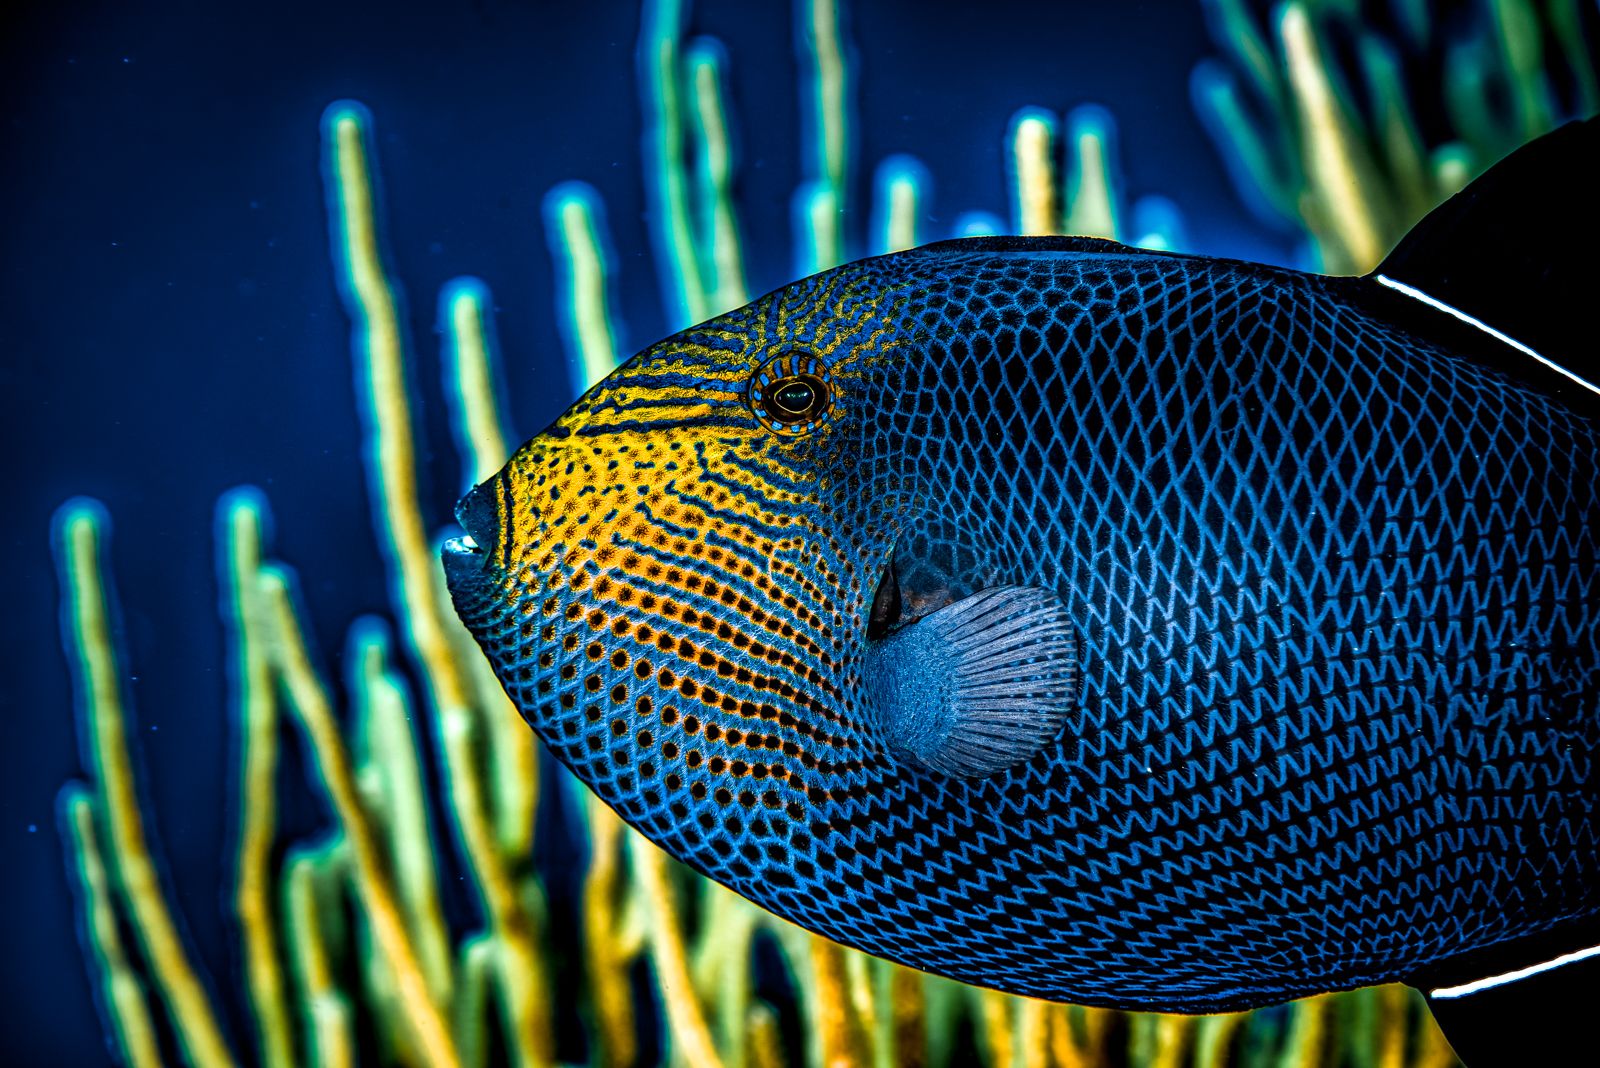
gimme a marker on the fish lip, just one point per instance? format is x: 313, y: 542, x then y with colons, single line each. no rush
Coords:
x: 478, y: 513
x: 469, y: 575
x: 470, y: 570
x: 465, y: 545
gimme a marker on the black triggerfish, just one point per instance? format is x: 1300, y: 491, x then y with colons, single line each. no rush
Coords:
x: 1105, y: 625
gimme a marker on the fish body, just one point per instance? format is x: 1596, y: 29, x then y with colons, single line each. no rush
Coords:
x: 1092, y: 623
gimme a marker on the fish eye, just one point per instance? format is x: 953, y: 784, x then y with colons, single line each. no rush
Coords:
x: 791, y: 393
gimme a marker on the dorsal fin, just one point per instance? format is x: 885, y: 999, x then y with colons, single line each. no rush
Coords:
x: 1516, y: 250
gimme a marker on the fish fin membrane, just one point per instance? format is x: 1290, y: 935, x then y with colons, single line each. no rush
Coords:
x: 982, y: 684
x: 1541, y: 1019
x: 1516, y: 249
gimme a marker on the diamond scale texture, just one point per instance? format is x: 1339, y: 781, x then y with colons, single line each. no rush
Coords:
x: 1335, y: 590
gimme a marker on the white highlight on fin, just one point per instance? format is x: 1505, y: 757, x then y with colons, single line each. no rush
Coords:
x: 1434, y: 302
x: 1510, y: 977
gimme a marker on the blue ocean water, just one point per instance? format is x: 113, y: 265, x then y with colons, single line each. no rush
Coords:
x: 171, y: 326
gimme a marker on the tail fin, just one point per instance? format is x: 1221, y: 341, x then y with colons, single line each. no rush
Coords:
x: 1518, y: 252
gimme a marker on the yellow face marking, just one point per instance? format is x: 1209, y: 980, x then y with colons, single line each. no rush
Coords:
x: 674, y: 571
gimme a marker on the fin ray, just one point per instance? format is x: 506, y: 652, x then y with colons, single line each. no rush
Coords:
x: 980, y: 685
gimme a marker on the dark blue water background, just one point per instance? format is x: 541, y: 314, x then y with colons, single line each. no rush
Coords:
x: 170, y: 326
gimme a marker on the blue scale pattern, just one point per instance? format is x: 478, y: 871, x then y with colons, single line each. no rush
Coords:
x: 1337, y: 599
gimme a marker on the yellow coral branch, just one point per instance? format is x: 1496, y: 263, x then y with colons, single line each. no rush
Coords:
x: 833, y: 1028
x: 721, y: 964
x: 1214, y: 1037
x: 690, y: 1034
x: 1161, y: 1040
x: 391, y: 451
x: 821, y: 231
x: 607, y: 958
x: 475, y: 969
x: 1392, y: 1015
x: 81, y: 529
x: 524, y: 987
x: 1308, y: 1028
x: 907, y: 1009
x: 1338, y: 172
x: 1058, y: 1035
x: 1433, y: 1049
x: 1091, y: 187
x: 481, y: 436
x: 998, y: 1029
x: 522, y: 981
x: 1065, y: 1048
x: 829, y: 77
x: 666, y: 173
x: 721, y: 251
x: 899, y: 185
x: 310, y: 701
x: 123, y: 991
x: 765, y: 1044
x: 393, y: 755
x: 575, y: 241
x: 416, y: 574
x: 1033, y: 1033
x: 329, y: 1020
x: 1035, y: 209
x: 256, y: 710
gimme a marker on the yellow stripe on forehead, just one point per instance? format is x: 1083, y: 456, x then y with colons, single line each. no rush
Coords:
x: 659, y: 453
x: 727, y: 333
x: 617, y: 423
x: 831, y: 320
x: 813, y: 306
x: 669, y: 359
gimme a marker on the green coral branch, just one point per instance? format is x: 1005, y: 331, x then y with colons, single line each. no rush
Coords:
x: 1334, y: 149
x: 122, y: 990
x: 87, y: 611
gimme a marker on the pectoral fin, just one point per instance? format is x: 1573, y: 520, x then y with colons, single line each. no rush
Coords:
x: 980, y: 685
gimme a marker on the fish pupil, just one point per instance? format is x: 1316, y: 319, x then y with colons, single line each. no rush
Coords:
x: 795, y: 398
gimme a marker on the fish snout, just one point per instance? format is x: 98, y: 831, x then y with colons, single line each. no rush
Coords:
x: 469, y: 561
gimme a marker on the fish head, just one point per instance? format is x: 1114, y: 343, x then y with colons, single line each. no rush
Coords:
x: 675, y: 582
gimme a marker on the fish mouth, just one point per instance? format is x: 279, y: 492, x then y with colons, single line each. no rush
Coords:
x: 478, y: 513
x: 467, y: 559
x: 462, y: 546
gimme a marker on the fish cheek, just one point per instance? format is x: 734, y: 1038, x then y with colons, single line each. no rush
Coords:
x: 624, y: 705
x: 687, y: 636
x: 588, y: 703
